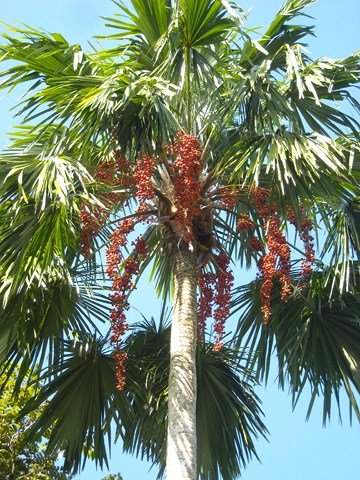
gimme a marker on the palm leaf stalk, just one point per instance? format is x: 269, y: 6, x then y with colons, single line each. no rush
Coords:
x: 220, y: 146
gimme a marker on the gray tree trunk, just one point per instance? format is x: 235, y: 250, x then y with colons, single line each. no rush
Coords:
x: 181, y: 458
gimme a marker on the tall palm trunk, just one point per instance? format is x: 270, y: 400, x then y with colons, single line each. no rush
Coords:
x: 181, y: 461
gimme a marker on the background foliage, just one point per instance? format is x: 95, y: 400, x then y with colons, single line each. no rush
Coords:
x: 21, y: 458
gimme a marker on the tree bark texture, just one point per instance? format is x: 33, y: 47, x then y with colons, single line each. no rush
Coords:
x: 181, y: 457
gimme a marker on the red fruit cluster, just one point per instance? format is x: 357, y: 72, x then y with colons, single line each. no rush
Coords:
x: 143, y: 178
x: 91, y: 224
x: 256, y: 244
x: 225, y: 281
x: 122, y: 285
x: 115, y: 173
x: 215, y: 291
x: 260, y: 200
x: 229, y: 198
x: 187, y: 168
x: 119, y: 298
x: 206, y: 282
x: 275, y: 263
x: 304, y: 226
x: 120, y: 361
x: 244, y: 223
x: 118, y: 240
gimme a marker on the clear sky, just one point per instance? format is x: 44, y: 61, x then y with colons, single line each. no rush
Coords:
x: 296, y: 449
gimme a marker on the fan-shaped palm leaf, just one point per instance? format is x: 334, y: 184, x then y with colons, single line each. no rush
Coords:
x: 315, y: 336
x: 83, y: 402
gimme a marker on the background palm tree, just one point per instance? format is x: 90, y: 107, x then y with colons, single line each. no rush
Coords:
x: 262, y: 113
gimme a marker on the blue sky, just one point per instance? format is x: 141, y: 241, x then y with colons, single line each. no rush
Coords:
x: 296, y: 449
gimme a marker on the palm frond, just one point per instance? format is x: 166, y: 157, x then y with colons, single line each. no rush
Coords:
x: 44, y: 293
x: 315, y: 336
x: 225, y: 394
x: 82, y: 403
x: 279, y: 33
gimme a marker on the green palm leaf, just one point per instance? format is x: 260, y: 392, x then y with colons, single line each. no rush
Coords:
x: 82, y: 402
x: 315, y: 336
x: 41, y: 198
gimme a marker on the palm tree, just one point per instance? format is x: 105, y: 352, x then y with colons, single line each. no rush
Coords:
x: 215, y: 143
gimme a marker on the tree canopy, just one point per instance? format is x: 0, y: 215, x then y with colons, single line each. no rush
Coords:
x: 21, y: 458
